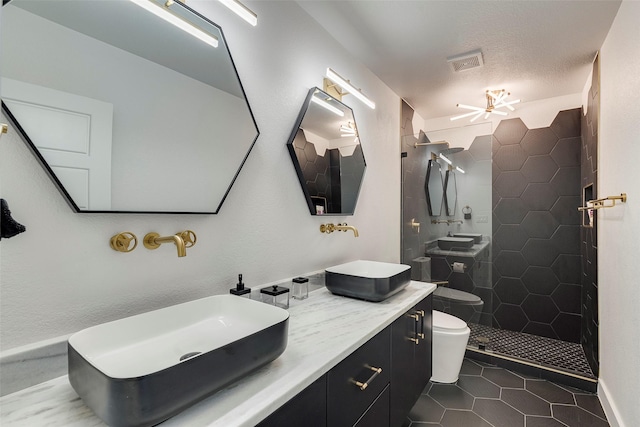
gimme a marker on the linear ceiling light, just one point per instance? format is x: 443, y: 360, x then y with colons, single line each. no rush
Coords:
x: 445, y: 158
x: 166, y: 14
x: 325, y: 104
x: 495, y: 100
x: 241, y: 10
x: 348, y: 87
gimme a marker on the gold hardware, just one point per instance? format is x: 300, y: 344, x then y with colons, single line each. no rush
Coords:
x: 333, y: 89
x: 447, y: 221
x: 5, y: 127
x: 364, y: 385
x: 441, y: 282
x: 189, y: 238
x: 121, y: 242
x: 421, y: 144
x: 415, y: 340
x: 601, y: 203
x: 330, y: 228
x: 183, y: 240
x: 416, y: 317
x: 421, y: 313
x: 415, y: 225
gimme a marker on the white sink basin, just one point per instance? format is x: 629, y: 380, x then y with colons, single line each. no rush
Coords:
x: 143, y: 369
x: 367, y: 280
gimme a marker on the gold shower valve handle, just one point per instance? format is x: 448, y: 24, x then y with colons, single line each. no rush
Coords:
x: 121, y: 242
x: 189, y: 238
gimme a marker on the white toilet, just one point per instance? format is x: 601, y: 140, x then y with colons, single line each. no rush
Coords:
x: 450, y: 336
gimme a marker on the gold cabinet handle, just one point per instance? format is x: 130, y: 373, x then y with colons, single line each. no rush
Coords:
x: 364, y: 385
x: 121, y: 242
x: 421, y: 314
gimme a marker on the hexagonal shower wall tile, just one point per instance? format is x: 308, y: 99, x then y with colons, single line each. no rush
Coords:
x: 536, y: 189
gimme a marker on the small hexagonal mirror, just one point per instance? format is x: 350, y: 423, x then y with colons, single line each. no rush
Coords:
x: 434, y: 188
x: 327, y: 155
x: 126, y: 112
x: 450, y: 193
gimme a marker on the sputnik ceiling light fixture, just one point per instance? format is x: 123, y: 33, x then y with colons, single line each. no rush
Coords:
x: 349, y: 130
x: 495, y: 99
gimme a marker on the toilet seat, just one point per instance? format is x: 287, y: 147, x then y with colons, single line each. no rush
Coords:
x: 457, y: 296
x: 443, y: 322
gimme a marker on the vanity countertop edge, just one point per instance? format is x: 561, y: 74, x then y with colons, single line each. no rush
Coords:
x: 323, y: 330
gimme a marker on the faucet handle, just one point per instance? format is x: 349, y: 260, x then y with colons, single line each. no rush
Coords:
x: 189, y: 238
x: 121, y: 242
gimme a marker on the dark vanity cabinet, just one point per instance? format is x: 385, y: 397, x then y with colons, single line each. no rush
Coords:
x: 410, y: 359
x: 308, y: 408
x: 355, y: 383
x: 375, y: 386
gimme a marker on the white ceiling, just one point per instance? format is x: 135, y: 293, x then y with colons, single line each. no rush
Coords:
x: 533, y: 49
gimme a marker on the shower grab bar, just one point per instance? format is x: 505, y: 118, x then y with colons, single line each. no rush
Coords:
x: 601, y: 203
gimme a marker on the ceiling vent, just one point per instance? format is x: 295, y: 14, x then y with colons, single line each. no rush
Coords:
x: 466, y: 61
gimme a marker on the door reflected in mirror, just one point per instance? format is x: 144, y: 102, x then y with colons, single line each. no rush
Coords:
x: 127, y: 112
x: 434, y: 188
x: 327, y: 155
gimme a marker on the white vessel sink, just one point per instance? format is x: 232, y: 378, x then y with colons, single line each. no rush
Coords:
x: 143, y: 369
x: 367, y: 280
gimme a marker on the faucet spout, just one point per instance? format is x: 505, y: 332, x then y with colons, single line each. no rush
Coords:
x: 345, y: 227
x: 330, y: 228
x: 153, y: 241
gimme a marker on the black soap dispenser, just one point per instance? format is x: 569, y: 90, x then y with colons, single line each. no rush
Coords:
x: 240, y: 290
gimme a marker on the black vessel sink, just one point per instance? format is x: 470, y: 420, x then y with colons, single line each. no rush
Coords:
x: 143, y: 369
x: 367, y: 280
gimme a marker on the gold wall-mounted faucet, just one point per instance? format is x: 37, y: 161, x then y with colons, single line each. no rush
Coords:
x: 446, y: 221
x: 330, y: 228
x: 183, y: 240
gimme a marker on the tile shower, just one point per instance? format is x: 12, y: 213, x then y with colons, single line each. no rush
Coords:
x: 534, y: 286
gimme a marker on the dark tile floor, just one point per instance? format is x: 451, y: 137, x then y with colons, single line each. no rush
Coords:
x: 489, y: 396
x: 561, y: 355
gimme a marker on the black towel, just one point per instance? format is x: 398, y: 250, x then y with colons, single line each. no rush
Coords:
x: 9, y: 227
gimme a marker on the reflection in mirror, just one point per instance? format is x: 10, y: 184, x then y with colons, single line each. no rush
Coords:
x: 127, y: 112
x: 434, y: 188
x: 327, y: 154
x: 450, y: 193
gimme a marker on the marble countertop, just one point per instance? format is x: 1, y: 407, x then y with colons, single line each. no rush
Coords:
x: 323, y: 330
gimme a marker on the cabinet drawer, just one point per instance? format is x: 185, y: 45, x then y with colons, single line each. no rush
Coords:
x: 308, y: 408
x: 378, y: 413
x: 369, y: 367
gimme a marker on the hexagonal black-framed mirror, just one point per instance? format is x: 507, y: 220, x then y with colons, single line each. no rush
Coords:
x: 450, y: 192
x: 327, y: 154
x: 126, y: 112
x: 434, y: 188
